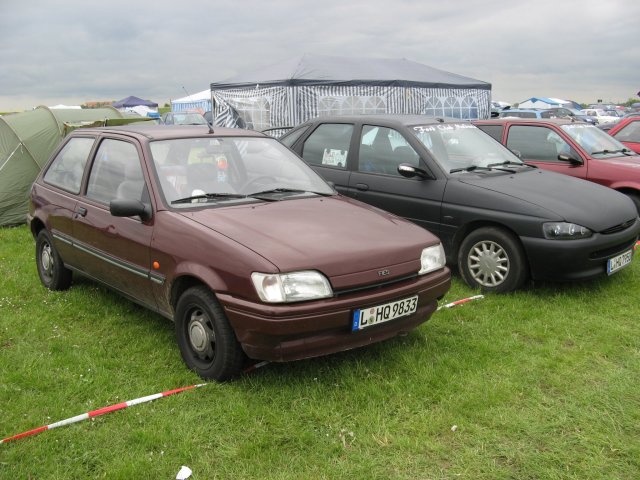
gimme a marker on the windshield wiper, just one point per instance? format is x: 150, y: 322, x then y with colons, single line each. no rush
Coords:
x: 606, y: 151
x: 505, y: 163
x: 277, y: 190
x: 470, y: 168
x: 208, y: 196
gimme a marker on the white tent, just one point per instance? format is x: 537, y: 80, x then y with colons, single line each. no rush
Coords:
x: 197, y: 101
x: 544, y: 102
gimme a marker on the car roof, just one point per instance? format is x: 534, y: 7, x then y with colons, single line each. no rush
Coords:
x: 390, y: 118
x: 165, y: 132
x: 557, y: 121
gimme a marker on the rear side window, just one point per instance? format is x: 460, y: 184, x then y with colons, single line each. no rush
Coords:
x: 494, y: 130
x: 293, y: 137
x: 67, y: 168
x: 328, y: 145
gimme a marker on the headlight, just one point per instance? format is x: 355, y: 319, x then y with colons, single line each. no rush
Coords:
x: 565, y: 231
x: 291, y: 287
x: 432, y: 258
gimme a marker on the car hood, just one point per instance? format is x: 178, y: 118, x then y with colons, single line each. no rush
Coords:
x: 557, y: 195
x: 330, y: 234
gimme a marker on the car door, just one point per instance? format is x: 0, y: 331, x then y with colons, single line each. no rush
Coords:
x: 540, y: 145
x: 115, y: 250
x: 327, y: 149
x: 64, y: 178
x: 375, y: 178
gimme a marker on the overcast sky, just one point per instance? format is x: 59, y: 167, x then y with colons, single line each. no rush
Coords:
x: 76, y: 51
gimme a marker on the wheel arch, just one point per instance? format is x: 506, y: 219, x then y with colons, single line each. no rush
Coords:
x: 466, y: 229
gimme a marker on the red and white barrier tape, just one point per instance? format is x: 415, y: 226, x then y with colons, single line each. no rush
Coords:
x: 149, y: 398
x: 117, y: 406
x: 460, y: 302
x: 100, y: 411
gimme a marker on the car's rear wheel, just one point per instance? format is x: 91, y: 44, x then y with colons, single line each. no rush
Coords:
x: 51, y: 270
x: 492, y: 259
x: 207, y: 342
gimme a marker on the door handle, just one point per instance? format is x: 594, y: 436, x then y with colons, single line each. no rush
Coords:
x: 81, y: 212
x: 362, y: 186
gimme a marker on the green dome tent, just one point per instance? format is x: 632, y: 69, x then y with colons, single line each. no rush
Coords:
x: 27, y: 140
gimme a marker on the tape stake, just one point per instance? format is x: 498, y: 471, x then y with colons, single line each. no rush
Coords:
x: 460, y: 302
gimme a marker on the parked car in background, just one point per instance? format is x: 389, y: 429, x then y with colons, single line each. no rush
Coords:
x: 601, y: 115
x: 501, y: 221
x: 526, y: 113
x: 627, y: 131
x: 235, y: 239
x: 572, y: 148
x: 183, y: 118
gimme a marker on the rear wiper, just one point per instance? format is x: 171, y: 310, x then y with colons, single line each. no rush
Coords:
x: 208, y: 196
x: 470, y: 168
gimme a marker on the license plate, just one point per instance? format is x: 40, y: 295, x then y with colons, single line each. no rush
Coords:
x: 620, y: 261
x: 367, y: 317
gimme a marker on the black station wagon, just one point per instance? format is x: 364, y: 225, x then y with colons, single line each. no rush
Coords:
x: 501, y: 221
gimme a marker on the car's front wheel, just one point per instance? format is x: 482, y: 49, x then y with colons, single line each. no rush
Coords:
x: 51, y: 270
x: 206, y: 339
x: 492, y: 259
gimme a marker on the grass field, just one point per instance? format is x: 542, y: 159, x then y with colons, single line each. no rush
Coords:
x: 541, y: 384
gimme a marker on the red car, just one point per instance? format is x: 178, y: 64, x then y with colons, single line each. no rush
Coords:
x: 627, y: 131
x: 234, y: 238
x: 573, y: 148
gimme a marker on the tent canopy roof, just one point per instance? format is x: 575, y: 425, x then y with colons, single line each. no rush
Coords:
x: 133, y: 102
x: 326, y: 70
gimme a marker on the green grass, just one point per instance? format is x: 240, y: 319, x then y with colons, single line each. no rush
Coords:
x: 540, y: 384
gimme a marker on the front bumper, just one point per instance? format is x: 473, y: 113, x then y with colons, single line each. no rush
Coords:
x: 310, y: 329
x: 567, y: 260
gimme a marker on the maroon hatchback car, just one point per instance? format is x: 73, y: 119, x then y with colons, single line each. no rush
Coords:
x: 236, y: 239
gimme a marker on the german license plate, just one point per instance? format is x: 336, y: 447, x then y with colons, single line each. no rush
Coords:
x: 367, y: 317
x: 619, y: 261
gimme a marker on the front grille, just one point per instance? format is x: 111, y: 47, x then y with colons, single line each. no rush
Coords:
x: 374, y: 286
x: 609, y: 252
x: 619, y: 228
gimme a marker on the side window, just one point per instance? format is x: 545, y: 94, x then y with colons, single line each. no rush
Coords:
x: 293, y: 137
x: 328, y: 145
x: 537, y: 143
x: 67, y: 168
x: 629, y: 133
x: 383, y: 149
x: 494, y: 130
x: 116, y: 173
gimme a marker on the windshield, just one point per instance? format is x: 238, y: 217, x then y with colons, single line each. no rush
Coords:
x: 463, y: 146
x: 594, y: 141
x: 199, y: 171
x: 188, y: 119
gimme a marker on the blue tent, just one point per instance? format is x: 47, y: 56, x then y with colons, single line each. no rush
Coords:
x: 133, y: 102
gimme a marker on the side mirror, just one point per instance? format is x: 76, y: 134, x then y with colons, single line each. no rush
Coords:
x: 124, y: 207
x: 409, y: 171
x: 571, y: 159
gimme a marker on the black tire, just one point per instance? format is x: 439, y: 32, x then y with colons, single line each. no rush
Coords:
x: 207, y: 342
x: 51, y: 270
x: 492, y: 260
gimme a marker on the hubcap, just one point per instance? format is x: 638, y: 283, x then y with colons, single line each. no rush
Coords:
x: 488, y: 263
x: 46, y: 260
x: 201, y: 335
